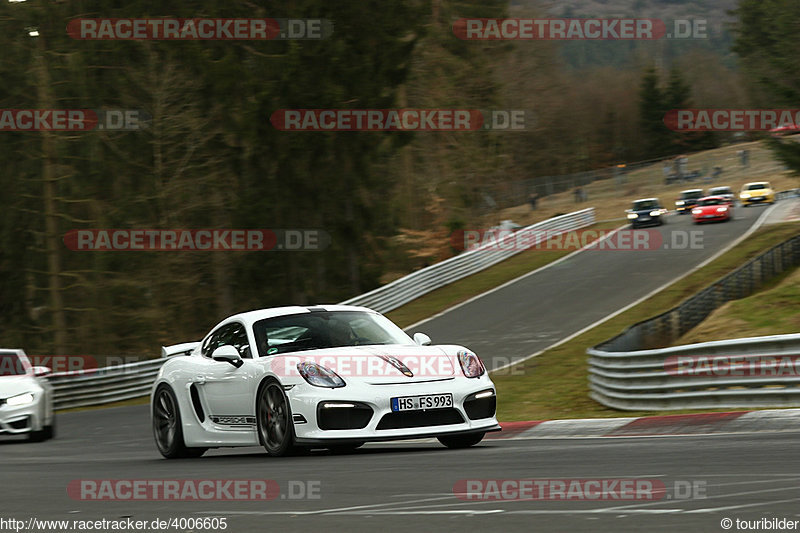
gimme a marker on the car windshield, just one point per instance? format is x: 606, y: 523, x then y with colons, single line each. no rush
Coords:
x: 640, y: 205
x: 325, y: 329
x: 691, y: 195
x: 11, y: 365
x: 757, y: 186
x: 711, y: 201
x: 721, y: 190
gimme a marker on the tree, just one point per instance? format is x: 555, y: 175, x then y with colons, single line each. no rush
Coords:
x: 766, y: 41
x: 651, y: 114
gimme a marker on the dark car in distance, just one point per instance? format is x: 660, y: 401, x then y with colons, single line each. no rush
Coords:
x: 646, y: 212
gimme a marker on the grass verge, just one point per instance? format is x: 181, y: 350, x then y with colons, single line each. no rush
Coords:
x: 555, y: 384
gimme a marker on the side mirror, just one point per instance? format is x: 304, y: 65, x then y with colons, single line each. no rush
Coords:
x: 41, y: 371
x: 227, y: 354
x: 422, y: 339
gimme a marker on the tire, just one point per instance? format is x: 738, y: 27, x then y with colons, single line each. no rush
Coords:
x: 46, y: 433
x: 168, y: 428
x: 274, y: 419
x: 461, y: 441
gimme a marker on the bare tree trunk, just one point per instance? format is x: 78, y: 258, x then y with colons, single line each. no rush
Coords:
x: 52, y: 237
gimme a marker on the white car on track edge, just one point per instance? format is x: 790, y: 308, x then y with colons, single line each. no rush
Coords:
x: 26, y: 398
x: 329, y: 376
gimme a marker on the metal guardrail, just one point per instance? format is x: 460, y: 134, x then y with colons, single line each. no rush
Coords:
x: 103, y: 385
x: 403, y: 290
x: 125, y: 382
x: 731, y: 374
x: 791, y: 193
x: 632, y: 370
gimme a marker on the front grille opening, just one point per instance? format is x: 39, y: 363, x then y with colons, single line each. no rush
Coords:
x: 343, y: 415
x: 22, y: 423
x: 418, y: 419
x: 481, y: 407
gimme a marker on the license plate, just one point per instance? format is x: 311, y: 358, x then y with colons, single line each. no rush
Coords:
x: 417, y: 403
x: 710, y: 216
x: 644, y: 218
x: 758, y: 198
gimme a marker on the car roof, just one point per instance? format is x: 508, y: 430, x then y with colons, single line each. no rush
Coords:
x: 645, y: 200
x: 757, y: 183
x: 712, y: 197
x: 250, y: 317
x: 691, y: 190
x: 719, y: 187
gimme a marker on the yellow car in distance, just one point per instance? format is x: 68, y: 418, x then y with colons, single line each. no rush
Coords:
x: 757, y: 192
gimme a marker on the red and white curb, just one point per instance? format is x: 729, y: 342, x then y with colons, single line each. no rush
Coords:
x: 692, y: 424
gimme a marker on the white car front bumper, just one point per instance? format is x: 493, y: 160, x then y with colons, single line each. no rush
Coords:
x: 371, y: 418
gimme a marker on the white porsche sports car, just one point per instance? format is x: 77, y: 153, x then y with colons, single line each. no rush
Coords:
x: 330, y: 376
x: 26, y: 399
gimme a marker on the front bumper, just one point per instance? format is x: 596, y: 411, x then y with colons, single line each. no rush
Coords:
x: 711, y: 218
x: 648, y: 220
x: 383, y: 424
x: 757, y: 200
x: 22, y: 419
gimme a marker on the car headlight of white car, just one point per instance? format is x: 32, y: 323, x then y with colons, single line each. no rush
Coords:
x: 679, y: 202
x: 20, y: 399
x: 471, y: 364
x: 319, y: 376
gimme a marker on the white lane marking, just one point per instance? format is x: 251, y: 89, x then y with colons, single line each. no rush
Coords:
x: 507, y: 283
x: 333, y: 510
x: 717, y: 497
x: 730, y: 246
x: 519, y: 511
x: 744, y: 505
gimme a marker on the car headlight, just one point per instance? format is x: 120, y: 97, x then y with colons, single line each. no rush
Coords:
x: 471, y: 364
x: 721, y: 209
x: 679, y: 202
x: 744, y: 195
x: 632, y: 215
x: 696, y: 211
x: 20, y: 399
x: 319, y: 376
x: 656, y: 213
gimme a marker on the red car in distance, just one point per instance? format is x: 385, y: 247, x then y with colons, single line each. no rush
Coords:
x: 712, y: 208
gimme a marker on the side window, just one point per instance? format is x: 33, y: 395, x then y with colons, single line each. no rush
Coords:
x: 238, y: 339
x: 233, y: 334
x: 213, y: 341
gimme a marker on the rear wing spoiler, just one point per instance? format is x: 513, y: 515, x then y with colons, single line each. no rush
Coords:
x: 178, y: 349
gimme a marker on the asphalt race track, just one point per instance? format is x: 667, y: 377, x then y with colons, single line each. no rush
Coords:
x: 539, y: 310
x: 414, y: 485
x: 410, y: 486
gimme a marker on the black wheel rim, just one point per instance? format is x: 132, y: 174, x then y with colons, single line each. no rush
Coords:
x: 165, y: 420
x: 274, y: 416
